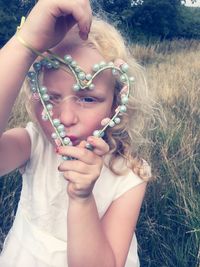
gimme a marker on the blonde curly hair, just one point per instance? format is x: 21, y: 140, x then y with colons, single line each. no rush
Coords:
x: 123, y: 139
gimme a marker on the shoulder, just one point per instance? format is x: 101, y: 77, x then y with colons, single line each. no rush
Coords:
x: 117, y: 184
x: 15, y: 147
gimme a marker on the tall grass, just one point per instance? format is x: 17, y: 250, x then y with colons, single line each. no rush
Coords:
x: 169, y: 225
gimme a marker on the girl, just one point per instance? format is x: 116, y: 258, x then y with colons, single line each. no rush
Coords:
x: 82, y: 211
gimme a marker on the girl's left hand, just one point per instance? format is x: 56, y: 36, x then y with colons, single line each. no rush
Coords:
x: 83, y: 172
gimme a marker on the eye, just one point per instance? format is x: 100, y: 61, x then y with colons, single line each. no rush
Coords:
x: 54, y: 98
x: 87, y: 99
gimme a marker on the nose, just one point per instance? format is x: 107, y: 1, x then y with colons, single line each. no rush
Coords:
x: 68, y: 114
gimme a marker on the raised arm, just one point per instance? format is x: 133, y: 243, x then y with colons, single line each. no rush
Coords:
x: 45, y: 27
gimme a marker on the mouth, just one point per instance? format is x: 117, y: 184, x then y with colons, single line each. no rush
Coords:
x: 73, y: 139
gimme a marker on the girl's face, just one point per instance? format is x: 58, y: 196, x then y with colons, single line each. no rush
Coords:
x: 80, y: 112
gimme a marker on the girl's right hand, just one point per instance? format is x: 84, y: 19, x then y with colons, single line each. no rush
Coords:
x: 50, y: 20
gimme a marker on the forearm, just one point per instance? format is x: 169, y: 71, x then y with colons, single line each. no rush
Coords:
x: 15, y: 60
x: 87, y: 243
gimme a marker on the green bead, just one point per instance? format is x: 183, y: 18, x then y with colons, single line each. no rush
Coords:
x: 48, y: 65
x: 123, y: 108
x: 33, y: 88
x: 125, y: 67
x: 88, y: 77
x: 81, y: 76
x: 122, y: 78
x: 66, y: 140
x: 45, y: 97
x: 76, y: 87
x: 65, y: 158
x: 68, y: 58
x: 56, y: 122
x: 95, y: 67
x: 114, y: 72
x: 61, y: 128
x: 124, y: 99
x: 37, y: 66
x: 56, y: 64
x: 49, y: 106
x: 31, y: 74
x: 77, y: 69
x: 73, y: 63
x: 102, y: 64
x: 43, y: 90
x: 91, y: 86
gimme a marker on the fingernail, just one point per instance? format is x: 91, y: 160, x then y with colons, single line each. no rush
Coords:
x: 57, y: 150
x: 83, y: 35
x: 89, y: 146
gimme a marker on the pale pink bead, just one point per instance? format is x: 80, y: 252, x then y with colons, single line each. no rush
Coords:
x: 124, y: 90
x: 118, y: 62
x: 58, y: 142
x: 105, y: 121
x: 117, y: 109
x: 36, y: 96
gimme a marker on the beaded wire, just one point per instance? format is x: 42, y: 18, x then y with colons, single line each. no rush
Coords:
x: 83, y: 82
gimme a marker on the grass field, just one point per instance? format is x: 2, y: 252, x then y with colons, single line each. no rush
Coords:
x: 169, y: 226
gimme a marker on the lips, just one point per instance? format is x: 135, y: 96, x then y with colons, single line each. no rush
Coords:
x: 73, y: 139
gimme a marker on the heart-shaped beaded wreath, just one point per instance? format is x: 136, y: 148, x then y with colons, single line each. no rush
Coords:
x: 83, y: 82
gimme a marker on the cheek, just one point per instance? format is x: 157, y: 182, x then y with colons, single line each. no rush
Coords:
x: 93, y: 120
x: 45, y: 125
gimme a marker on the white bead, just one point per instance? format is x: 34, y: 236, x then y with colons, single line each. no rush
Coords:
x: 96, y: 133
x: 117, y: 120
x: 62, y: 134
x: 111, y: 123
x: 66, y: 140
x: 54, y: 135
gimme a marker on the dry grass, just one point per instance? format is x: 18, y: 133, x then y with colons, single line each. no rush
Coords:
x: 169, y: 225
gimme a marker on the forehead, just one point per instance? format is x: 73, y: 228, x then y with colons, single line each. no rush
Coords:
x: 86, y: 57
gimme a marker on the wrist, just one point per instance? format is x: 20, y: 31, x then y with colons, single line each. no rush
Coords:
x: 79, y: 194
x: 81, y: 200
x: 29, y: 48
x: 22, y: 49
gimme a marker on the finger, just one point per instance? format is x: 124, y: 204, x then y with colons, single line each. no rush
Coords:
x: 79, y: 153
x: 74, y: 165
x: 81, y: 12
x: 100, y: 147
x: 82, y: 181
